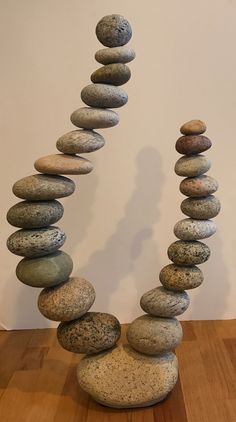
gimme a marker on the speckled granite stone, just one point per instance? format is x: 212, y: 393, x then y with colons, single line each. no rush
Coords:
x: 193, y: 127
x: 94, y: 118
x: 124, y: 378
x: 164, y: 303
x: 80, y: 141
x: 115, y: 74
x: 198, y: 186
x: 192, y: 144
x: 115, y: 55
x: 43, y: 187
x: 113, y: 30
x: 188, y: 253
x: 192, y: 229
x: 104, y: 96
x: 175, y: 277
x: 201, y: 208
x: 92, y: 333
x: 63, y: 164
x: 193, y: 165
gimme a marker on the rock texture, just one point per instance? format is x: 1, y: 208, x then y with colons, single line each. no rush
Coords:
x: 188, y: 253
x: 114, y: 74
x: 198, y: 186
x: 192, y: 144
x: 164, y: 303
x: 193, y: 127
x: 43, y: 187
x: 201, y: 208
x: 113, y: 30
x: 192, y: 229
x: 104, y: 96
x: 115, y: 55
x: 193, y: 165
x: 80, y: 141
x: 179, y: 278
x: 94, y: 118
x: 63, y: 164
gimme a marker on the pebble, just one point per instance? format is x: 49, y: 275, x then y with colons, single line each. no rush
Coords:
x: 193, y: 127
x: 201, y: 208
x: 63, y: 164
x: 152, y: 335
x: 80, y: 141
x: 188, y: 253
x: 32, y: 215
x: 104, y: 96
x: 47, y: 271
x: 36, y: 242
x: 92, y: 333
x: 192, y: 144
x: 113, y: 30
x: 198, y: 186
x: 182, y: 278
x: 68, y: 300
x: 94, y: 118
x: 164, y: 303
x: 115, y: 55
x: 43, y: 187
x: 124, y: 378
x: 114, y: 74
x: 190, y: 229
x: 194, y: 165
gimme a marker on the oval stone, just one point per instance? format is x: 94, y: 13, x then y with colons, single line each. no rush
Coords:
x: 194, y: 165
x: 113, y: 30
x: 198, y: 186
x: 94, y: 118
x: 188, y: 253
x: 32, y: 215
x: 47, y: 271
x: 80, y: 141
x: 201, y: 208
x: 114, y: 74
x: 190, y: 229
x: 164, y: 303
x: 43, y: 187
x: 193, y: 127
x: 192, y: 144
x: 36, y: 242
x: 63, y: 164
x: 152, y: 335
x: 182, y: 278
x: 67, y: 301
x: 104, y: 96
x: 92, y: 333
x: 115, y: 55
x: 124, y: 378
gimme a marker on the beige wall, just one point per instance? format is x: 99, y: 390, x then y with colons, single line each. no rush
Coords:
x: 119, y: 223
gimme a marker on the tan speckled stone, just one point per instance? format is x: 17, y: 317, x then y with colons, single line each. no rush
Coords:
x: 94, y: 118
x: 124, y: 378
x: 180, y: 278
x: 201, y: 208
x: 164, y: 303
x: 198, y: 186
x: 80, y: 141
x: 192, y: 229
x: 188, y: 253
x: 193, y: 165
x: 63, y: 164
x: 115, y: 55
x: 43, y: 187
x: 193, y: 127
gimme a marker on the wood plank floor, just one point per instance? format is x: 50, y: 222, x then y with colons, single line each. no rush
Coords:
x: 38, y: 382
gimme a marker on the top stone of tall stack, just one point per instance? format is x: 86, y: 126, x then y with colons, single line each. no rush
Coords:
x: 113, y: 31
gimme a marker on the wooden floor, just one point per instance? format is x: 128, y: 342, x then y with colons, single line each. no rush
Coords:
x: 38, y: 382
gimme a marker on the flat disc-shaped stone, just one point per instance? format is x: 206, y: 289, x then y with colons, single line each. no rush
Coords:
x: 115, y: 55
x: 113, y: 30
x: 193, y: 165
x: 43, y: 187
x: 201, y: 208
x: 63, y: 164
x: 192, y: 144
x: 188, y: 253
x: 114, y: 74
x: 193, y: 127
x: 192, y: 229
x: 94, y: 118
x: 104, y: 96
x: 179, y: 278
x: 80, y: 141
x: 198, y: 186
x: 164, y: 303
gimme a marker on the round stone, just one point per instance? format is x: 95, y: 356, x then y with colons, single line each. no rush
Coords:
x: 47, y: 271
x: 193, y: 127
x: 190, y: 229
x: 201, y: 208
x: 113, y: 31
x: 80, y: 141
x: 36, y: 242
x: 32, y: 215
x: 103, y: 96
x: 194, y: 165
x: 177, y: 278
x: 124, y: 378
x: 92, y: 333
x: 192, y: 144
x: 198, y: 186
x: 164, y: 303
x: 114, y: 74
x: 63, y: 164
x: 67, y: 301
x: 115, y: 55
x: 94, y: 118
x: 188, y: 253
x: 152, y: 335
x: 43, y: 187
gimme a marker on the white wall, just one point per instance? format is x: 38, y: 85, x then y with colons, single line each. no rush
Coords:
x: 120, y: 221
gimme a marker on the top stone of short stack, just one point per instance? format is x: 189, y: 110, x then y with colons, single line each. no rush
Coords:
x: 113, y: 31
x: 193, y: 127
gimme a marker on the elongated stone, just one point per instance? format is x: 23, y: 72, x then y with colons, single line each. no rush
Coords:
x: 115, y: 55
x: 115, y: 74
x: 92, y: 333
x: 201, y: 208
x: 194, y: 165
x: 193, y: 127
x: 46, y: 271
x: 63, y: 164
x: 31, y: 215
x: 68, y: 300
x: 80, y: 141
x: 43, y: 187
x: 164, y: 303
x: 192, y: 144
x: 36, y: 242
x: 94, y: 118
x: 180, y: 278
x: 188, y: 253
x: 152, y: 335
x: 198, y: 186
x: 113, y: 30
x: 104, y: 96
x: 191, y: 229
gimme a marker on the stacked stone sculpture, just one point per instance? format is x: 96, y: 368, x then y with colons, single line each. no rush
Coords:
x: 145, y: 370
